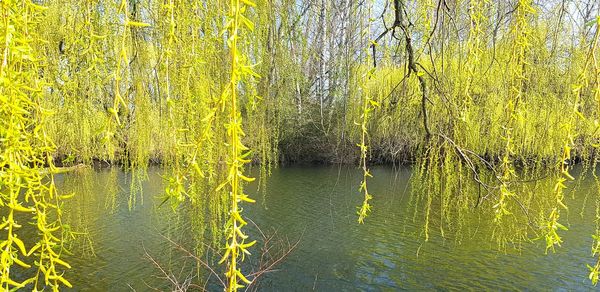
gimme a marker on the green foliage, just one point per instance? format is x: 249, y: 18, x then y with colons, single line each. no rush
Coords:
x: 27, y: 190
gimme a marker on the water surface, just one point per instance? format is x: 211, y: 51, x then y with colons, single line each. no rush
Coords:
x: 318, y: 206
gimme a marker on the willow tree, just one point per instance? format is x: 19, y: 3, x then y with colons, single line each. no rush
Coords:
x: 470, y: 70
x: 467, y: 91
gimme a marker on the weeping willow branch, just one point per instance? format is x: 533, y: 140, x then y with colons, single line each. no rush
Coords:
x: 27, y: 187
x: 236, y: 247
x: 368, y: 105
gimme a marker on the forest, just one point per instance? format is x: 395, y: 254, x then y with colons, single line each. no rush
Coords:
x: 493, y: 105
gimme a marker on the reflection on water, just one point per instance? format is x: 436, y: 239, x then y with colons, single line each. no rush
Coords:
x: 319, y: 205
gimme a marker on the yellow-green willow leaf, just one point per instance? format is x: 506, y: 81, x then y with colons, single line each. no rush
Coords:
x: 54, y: 238
x: 242, y: 277
x: 247, y: 245
x: 197, y: 169
x: 559, y: 184
x: 249, y: 3
x: 243, y: 160
x: 34, y: 248
x: 67, y: 196
x: 56, y: 228
x: 61, y: 279
x: 226, y: 255
x: 249, y: 24
x: 245, y: 178
x: 561, y: 226
x: 21, y: 263
x: 137, y: 24
x: 239, y: 232
x: 19, y: 208
x: 65, y: 281
x: 249, y: 71
x: 236, y: 216
x: 13, y: 283
x: 560, y: 203
x: 19, y: 109
x: 20, y: 244
x: 240, y: 145
x: 245, y: 198
x: 593, y: 276
x: 246, y: 154
x: 98, y: 37
x: 221, y: 186
x: 568, y: 175
x: 237, y: 286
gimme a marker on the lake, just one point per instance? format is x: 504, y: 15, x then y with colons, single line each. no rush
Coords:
x: 317, y: 206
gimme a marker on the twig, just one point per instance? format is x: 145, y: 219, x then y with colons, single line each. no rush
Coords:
x: 178, y: 246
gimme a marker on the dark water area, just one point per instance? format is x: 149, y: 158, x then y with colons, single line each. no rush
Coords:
x: 318, y: 206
